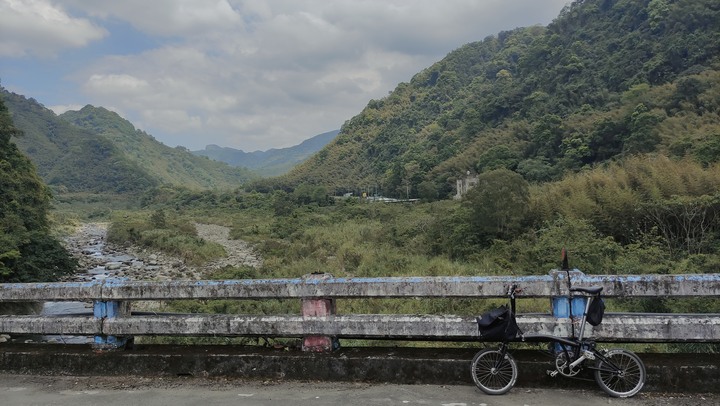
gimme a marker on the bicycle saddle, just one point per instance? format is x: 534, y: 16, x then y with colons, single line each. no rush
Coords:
x: 592, y: 290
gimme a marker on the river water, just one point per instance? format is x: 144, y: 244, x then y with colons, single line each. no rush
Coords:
x: 100, y: 264
x: 100, y: 261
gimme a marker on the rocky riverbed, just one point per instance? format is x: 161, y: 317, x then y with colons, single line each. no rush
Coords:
x: 99, y: 259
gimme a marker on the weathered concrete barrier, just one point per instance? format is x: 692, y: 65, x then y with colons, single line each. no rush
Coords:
x: 555, y: 284
x: 682, y: 373
x: 320, y: 326
x: 616, y: 327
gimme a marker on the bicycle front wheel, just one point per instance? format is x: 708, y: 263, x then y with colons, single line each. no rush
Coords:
x: 493, y: 372
x: 622, y: 374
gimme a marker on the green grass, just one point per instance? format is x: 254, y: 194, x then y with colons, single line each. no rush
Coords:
x: 175, y: 236
x: 377, y: 240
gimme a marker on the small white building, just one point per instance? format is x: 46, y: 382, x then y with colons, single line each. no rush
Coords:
x: 462, y: 185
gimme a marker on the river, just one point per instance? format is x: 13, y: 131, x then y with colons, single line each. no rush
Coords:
x: 99, y: 261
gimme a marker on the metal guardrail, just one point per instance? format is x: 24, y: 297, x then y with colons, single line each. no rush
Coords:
x: 112, y: 317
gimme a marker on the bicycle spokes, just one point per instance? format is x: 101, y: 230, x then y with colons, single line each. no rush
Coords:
x: 620, y: 373
x: 494, y: 371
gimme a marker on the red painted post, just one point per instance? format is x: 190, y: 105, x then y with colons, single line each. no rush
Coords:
x: 318, y: 307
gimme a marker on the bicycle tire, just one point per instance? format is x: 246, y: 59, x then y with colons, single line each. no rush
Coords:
x: 493, y: 375
x: 626, y: 382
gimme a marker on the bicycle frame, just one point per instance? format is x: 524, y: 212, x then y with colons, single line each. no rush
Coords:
x: 549, y: 337
x: 618, y: 372
x: 578, y: 354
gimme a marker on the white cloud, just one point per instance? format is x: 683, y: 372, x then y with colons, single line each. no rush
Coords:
x: 179, y: 18
x: 120, y: 85
x: 256, y: 74
x: 39, y: 28
x: 62, y: 108
x: 174, y: 120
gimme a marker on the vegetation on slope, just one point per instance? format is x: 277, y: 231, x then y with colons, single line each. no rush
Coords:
x: 169, y: 166
x: 70, y: 159
x: 28, y: 251
x: 641, y: 216
x: 607, y: 79
x: 95, y: 152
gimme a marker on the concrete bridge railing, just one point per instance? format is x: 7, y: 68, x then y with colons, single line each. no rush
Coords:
x: 112, y: 320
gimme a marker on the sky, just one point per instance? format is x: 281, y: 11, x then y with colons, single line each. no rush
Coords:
x: 246, y: 74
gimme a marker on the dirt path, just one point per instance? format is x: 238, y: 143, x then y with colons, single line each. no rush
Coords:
x: 239, y: 253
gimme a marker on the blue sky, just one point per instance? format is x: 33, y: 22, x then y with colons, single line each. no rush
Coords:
x: 247, y: 74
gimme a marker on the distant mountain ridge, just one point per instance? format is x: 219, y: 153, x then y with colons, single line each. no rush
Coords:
x: 174, y: 166
x: 273, y: 162
x: 95, y: 150
x: 71, y: 159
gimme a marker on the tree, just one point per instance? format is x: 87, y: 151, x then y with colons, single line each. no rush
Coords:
x: 497, y: 204
x: 306, y: 193
x: 282, y: 203
x: 537, y: 170
x: 643, y: 133
x: 547, y: 135
x: 686, y: 223
x: 497, y: 157
x: 428, y: 190
x: 27, y: 250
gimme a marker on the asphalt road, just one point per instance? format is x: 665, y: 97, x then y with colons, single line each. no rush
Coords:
x: 26, y: 390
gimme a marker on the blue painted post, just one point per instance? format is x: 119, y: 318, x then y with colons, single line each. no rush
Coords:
x: 109, y: 310
x: 561, y: 305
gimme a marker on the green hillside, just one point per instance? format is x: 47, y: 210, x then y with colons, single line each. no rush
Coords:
x: 170, y: 166
x: 28, y: 251
x: 71, y: 159
x: 607, y: 79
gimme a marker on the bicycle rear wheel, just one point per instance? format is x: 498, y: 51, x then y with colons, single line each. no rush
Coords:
x: 622, y: 374
x: 493, y: 372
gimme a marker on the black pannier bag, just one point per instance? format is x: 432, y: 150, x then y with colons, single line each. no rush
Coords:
x: 596, y: 311
x: 497, y: 325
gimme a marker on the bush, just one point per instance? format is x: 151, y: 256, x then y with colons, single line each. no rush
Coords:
x: 177, y: 237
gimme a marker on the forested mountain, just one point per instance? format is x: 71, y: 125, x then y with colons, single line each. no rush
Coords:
x: 607, y: 79
x: 28, y: 252
x: 95, y: 150
x: 69, y: 158
x: 171, y: 166
x: 272, y: 162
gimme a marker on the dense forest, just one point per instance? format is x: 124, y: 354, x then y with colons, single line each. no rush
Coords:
x: 28, y: 250
x: 607, y: 79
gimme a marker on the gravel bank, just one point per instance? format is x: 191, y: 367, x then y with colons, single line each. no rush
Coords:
x: 99, y: 259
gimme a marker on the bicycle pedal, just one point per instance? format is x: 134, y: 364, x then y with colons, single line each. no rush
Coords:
x: 552, y: 373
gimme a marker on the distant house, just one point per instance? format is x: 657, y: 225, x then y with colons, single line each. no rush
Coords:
x: 464, y: 184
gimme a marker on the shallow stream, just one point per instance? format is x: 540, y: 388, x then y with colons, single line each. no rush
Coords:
x: 100, y: 264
